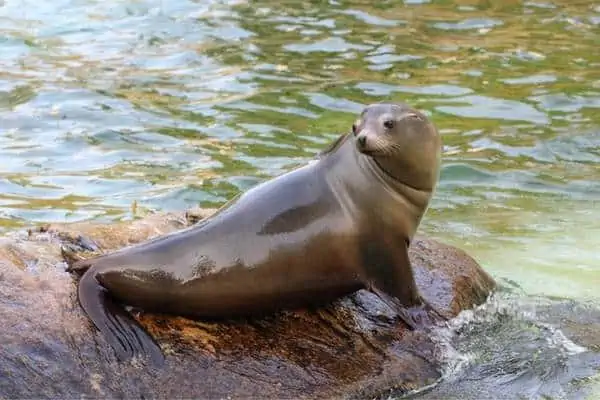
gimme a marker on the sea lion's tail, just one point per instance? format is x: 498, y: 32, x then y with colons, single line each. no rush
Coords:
x: 81, y: 266
x: 121, y: 331
x: 78, y: 267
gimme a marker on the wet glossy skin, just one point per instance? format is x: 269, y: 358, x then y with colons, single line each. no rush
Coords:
x: 325, y: 230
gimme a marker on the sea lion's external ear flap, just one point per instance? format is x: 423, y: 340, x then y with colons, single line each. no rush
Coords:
x: 333, y: 146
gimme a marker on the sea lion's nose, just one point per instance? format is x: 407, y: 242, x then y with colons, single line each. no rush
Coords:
x: 361, y: 141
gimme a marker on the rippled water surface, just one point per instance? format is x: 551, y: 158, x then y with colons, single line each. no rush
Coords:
x: 110, y: 109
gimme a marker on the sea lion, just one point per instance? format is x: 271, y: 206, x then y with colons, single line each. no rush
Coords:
x: 325, y: 230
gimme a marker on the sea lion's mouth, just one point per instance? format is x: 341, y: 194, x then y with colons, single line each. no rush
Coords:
x: 362, y: 147
x: 368, y: 145
x: 369, y: 153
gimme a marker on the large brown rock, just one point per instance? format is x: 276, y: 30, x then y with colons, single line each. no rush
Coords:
x: 352, y: 348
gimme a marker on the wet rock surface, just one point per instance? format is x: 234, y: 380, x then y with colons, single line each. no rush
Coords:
x: 352, y: 348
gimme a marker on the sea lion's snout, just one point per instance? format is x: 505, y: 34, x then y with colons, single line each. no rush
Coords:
x: 369, y: 142
x: 364, y: 143
x: 361, y: 142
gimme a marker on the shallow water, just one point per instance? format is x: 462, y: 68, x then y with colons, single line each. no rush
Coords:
x: 520, y: 348
x: 108, y: 110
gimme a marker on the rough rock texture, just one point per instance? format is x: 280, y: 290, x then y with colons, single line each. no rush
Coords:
x: 352, y: 348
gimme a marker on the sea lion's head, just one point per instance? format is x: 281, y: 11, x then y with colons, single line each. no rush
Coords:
x: 402, y: 142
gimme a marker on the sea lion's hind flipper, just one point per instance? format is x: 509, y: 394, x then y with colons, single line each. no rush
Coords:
x: 120, y: 330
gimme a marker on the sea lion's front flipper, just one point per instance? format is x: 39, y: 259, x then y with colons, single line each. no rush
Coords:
x: 416, y: 317
x: 118, y: 327
x: 391, y: 278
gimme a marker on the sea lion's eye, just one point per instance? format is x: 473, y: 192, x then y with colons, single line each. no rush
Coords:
x: 389, y: 123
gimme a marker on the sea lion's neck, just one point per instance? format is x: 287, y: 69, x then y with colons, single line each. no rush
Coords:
x: 362, y: 186
x: 419, y: 197
x: 420, y: 178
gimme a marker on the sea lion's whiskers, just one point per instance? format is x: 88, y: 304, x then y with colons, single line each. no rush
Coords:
x: 380, y: 145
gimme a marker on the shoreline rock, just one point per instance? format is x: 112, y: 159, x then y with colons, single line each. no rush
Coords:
x: 353, y: 347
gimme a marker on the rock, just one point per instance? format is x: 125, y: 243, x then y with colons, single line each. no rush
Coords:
x: 352, y: 348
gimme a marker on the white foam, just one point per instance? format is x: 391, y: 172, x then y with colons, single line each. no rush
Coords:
x: 497, y: 307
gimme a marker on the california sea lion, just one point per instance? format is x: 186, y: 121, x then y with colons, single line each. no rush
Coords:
x: 339, y: 224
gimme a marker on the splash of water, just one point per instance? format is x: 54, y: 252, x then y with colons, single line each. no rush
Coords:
x: 505, y: 349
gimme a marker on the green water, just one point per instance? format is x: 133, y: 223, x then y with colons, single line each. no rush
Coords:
x: 171, y: 104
